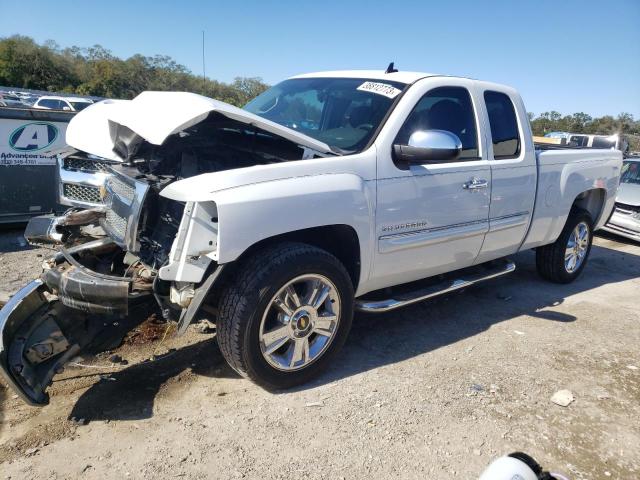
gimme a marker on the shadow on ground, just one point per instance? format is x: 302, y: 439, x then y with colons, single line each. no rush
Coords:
x: 130, y: 393
x: 616, y: 238
x: 376, y: 340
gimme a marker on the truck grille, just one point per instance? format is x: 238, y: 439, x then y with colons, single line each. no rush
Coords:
x: 80, y: 178
x: 123, y: 198
x: 85, y: 165
x: 81, y: 193
x: 115, y: 186
x: 117, y: 223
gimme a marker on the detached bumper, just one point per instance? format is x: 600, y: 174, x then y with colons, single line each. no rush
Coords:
x: 69, y: 310
x: 23, y: 347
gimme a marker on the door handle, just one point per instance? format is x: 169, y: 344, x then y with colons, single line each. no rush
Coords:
x: 475, y: 184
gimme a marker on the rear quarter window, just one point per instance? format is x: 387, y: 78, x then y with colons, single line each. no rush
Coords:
x: 504, y: 125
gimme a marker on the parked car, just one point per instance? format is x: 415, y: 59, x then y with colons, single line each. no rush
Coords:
x: 328, y: 193
x: 74, y: 104
x: 8, y: 100
x: 625, y: 220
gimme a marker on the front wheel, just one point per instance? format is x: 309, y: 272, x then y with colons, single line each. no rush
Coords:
x: 285, y: 315
x: 564, y: 260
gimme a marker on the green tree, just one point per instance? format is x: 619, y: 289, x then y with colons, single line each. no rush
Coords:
x: 96, y: 71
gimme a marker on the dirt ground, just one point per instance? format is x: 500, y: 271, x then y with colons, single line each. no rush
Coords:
x: 434, y: 391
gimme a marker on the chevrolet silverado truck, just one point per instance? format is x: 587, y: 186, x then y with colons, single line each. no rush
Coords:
x: 329, y: 193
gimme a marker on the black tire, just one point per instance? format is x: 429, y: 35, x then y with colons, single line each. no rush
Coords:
x: 550, y: 259
x: 244, y: 300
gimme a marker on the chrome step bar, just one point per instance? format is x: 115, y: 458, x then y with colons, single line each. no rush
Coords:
x: 404, y: 299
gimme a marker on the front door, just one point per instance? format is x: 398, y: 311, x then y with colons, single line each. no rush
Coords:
x: 432, y: 218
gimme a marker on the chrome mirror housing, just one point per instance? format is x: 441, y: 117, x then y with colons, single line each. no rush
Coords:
x: 429, y: 146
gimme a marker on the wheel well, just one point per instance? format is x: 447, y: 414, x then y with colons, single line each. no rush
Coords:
x: 339, y: 240
x: 592, y: 201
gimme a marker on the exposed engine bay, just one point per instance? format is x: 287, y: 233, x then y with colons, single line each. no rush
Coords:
x: 213, y: 145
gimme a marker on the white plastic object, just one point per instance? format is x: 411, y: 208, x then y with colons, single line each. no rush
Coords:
x: 508, y: 468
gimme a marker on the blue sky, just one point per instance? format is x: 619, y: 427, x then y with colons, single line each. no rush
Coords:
x: 565, y: 55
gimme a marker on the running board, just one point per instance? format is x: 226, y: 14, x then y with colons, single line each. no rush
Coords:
x: 404, y: 299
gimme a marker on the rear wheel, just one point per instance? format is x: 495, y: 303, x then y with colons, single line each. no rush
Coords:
x: 285, y: 315
x: 564, y: 260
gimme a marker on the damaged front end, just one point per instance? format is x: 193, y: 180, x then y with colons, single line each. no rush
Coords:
x: 134, y: 252
x: 70, y: 309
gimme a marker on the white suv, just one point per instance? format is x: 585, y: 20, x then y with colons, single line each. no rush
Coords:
x: 73, y: 104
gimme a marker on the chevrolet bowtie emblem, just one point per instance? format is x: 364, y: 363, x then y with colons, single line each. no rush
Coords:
x: 103, y: 192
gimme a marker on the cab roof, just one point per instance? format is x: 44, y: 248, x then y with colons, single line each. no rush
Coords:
x: 401, y: 76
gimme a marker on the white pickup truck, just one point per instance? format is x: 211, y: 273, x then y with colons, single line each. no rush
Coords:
x: 330, y: 192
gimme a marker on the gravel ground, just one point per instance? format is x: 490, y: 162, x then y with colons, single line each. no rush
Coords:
x: 436, y: 390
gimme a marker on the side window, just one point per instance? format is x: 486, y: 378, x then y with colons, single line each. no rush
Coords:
x: 504, y: 125
x: 599, y: 142
x: 50, y: 103
x: 445, y: 108
x: 578, y: 140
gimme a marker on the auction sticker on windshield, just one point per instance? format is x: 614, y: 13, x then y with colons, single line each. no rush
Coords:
x: 380, y: 88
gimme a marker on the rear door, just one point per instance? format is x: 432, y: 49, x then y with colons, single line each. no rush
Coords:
x: 427, y: 220
x: 513, y: 172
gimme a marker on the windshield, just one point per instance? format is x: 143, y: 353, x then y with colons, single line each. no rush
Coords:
x: 342, y: 112
x: 77, y: 106
x: 630, y: 172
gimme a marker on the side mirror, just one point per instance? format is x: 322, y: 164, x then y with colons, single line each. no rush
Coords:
x: 66, y: 108
x: 429, y: 146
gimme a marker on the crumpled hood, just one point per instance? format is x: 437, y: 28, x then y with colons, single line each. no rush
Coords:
x: 154, y: 116
x: 629, y: 193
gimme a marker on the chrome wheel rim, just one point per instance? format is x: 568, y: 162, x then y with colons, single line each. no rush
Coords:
x: 300, y: 322
x: 577, y: 247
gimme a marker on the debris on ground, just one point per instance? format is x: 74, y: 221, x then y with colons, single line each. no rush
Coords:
x: 151, y: 330
x: 562, y: 398
x: 115, y: 358
x: 206, y: 327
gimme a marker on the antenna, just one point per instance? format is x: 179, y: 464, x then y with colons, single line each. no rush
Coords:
x: 390, y: 69
x: 203, y: 70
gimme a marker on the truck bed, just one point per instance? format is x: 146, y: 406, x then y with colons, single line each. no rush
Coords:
x: 563, y: 173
